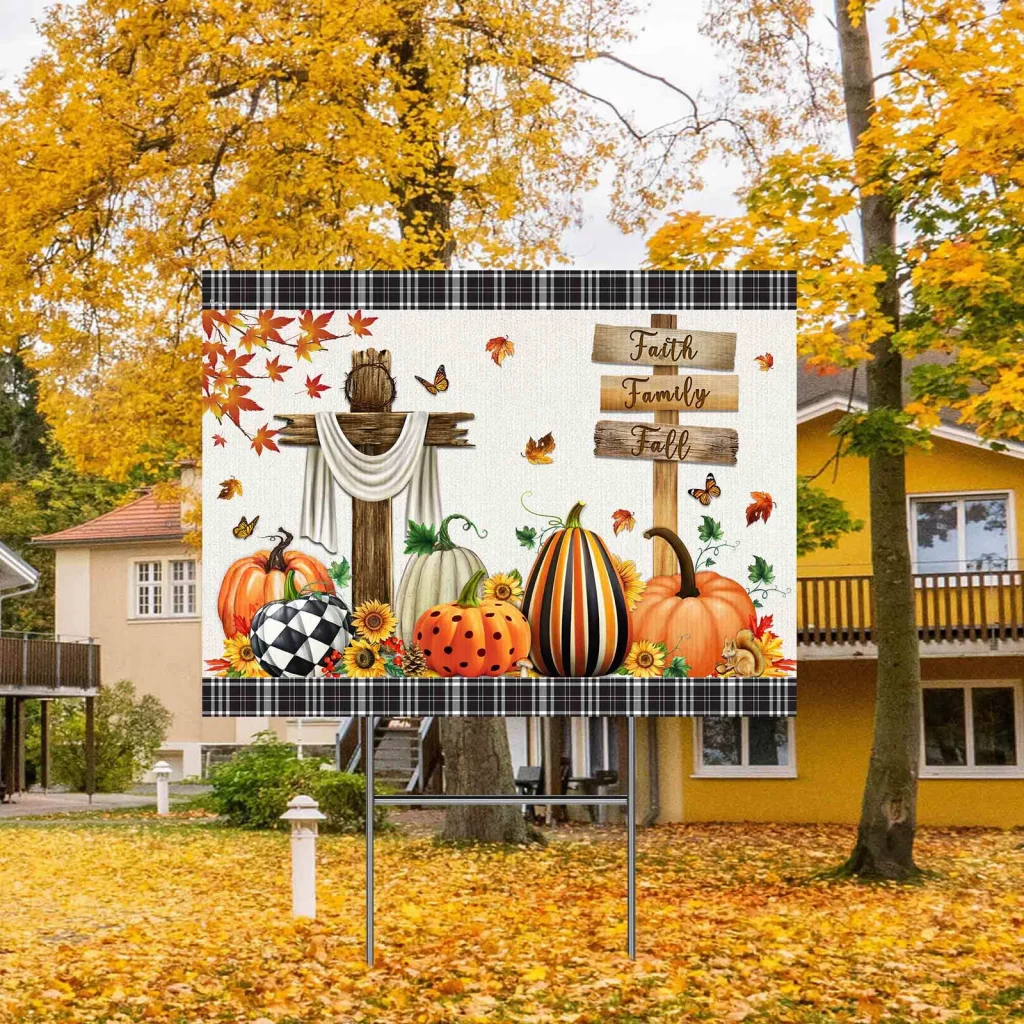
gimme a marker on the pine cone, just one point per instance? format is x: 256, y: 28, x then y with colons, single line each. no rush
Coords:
x: 413, y: 662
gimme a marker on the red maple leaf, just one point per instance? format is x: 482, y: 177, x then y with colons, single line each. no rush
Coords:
x: 760, y: 508
x: 759, y: 625
x: 217, y: 665
x: 242, y: 624
x: 234, y: 402
x: 262, y: 439
x: 314, y: 388
x: 219, y: 441
x: 361, y: 324
x: 765, y: 362
x: 212, y: 349
x: 275, y: 371
x: 268, y: 325
x: 314, y: 329
x: 235, y: 365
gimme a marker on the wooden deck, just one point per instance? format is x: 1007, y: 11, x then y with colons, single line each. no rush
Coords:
x: 46, y: 667
x: 956, y: 612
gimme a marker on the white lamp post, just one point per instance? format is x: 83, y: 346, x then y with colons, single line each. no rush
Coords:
x: 162, y: 771
x: 304, y: 813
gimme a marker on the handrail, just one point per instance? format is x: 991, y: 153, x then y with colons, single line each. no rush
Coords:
x: 950, y: 606
x: 48, y: 664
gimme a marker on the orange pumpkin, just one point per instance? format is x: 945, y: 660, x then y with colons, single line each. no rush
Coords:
x: 470, y: 637
x: 260, y: 578
x: 692, y: 614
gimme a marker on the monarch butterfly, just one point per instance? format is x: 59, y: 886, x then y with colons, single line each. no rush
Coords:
x: 440, y: 381
x: 244, y: 529
x: 707, y: 492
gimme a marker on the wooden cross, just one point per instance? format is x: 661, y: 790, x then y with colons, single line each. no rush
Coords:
x: 373, y: 428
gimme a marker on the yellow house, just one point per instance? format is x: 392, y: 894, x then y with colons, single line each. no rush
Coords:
x: 966, y: 521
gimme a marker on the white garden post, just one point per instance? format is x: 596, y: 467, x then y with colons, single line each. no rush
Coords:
x: 162, y: 771
x: 304, y: 813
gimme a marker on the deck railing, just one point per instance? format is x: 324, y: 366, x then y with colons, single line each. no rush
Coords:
x: 33, y: 663
x: 949, y: 607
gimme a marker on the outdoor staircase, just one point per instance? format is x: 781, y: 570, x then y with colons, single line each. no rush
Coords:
x: 406, y: 755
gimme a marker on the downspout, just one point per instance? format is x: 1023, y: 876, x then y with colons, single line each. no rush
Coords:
x: 653, y: 796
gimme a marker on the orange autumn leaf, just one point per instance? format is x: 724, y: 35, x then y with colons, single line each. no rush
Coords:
x: 251, y: 339
x: 361, y: 324
x: 275, y: 369
x: 303, y: 347
x: 539, y: 452
x: 213, y: 349
x: 314, y: 329
x: 235, y: 402
x: 622, y: 519
x: 760, y: 508
x: 212, y: 403
x: 765, y: 362
x: 219, y: 441
x: 230, y: 488
x: 262, y: 439
x: 268, y: 324
x: 499, y: 348
x: 210, y: 317
x: 235, y: 365
x: 314, y: 388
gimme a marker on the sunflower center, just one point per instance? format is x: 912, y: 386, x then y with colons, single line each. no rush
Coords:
x: 245, y: 653
x: 645, y: 659
x: 374, y: 621
x: 365, y: 658
x: 502, y: 591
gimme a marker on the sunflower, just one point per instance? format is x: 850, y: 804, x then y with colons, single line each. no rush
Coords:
x: 645, y: 659
x: 374, y: 621
x: 632, y: 586
x: 363, y: 658
x: 503, y: 586
x: 240, y: 656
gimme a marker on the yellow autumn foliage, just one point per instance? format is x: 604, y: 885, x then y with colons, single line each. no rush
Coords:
x: 188, y: 922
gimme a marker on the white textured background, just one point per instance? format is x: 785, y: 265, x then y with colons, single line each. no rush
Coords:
x: 550, y: 384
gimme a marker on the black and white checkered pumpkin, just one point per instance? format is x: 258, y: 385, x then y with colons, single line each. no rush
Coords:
x: 291, y: 638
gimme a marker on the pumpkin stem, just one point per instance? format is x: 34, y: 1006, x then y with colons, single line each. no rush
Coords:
x: 444, y: 541
x: 572, y: 520
x: 470, y: 598
x: 687, y: 577
x: 275, y: 560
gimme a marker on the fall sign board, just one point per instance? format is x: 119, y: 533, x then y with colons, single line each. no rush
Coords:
x: 476, y: 475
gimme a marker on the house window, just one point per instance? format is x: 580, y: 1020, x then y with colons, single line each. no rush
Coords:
x: 149, y: 588
x: 183, y: 587
x: 745, y: 747
x: 972, y: 729
x: 961, y: 533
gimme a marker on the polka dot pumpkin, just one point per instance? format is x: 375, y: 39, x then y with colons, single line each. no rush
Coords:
x: 473, y: 637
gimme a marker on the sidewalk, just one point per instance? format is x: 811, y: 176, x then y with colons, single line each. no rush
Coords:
x: 28, y: 804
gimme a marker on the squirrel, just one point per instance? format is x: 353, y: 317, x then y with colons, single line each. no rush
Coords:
x: 741, y: 656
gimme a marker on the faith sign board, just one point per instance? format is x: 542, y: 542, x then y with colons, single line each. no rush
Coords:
x: 498, y: 475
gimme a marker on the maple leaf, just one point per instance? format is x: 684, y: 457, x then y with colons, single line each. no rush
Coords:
x: 760, y: 508
x: 303, y: 347
x: 219, y: 441
x: 499, y: 348
x: 213, y: 349
x: 235, y: 402
x: 262, y: 439
x: 210, y: 318
x: 539, y: 452
x: 527, y: 536
x: 765, y: 362
x: 275, y: 369
x: 235, y: 365
x: 267, y: 324
x: 361, y: 324
x: 314, y: 329
x: 759, y: 625
x: 251, y: 339
x: 212, y: 403
x: 622, y: 520
x: 314, y: 388
x: 230, y: 488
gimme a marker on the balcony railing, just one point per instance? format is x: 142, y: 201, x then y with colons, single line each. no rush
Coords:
x: 950, y: 607
x: 39, y: 664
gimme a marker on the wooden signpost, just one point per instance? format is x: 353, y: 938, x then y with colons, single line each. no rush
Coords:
x: 373, y: 428
x: 664, y: 391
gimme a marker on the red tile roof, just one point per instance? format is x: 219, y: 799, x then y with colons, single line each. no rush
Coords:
x: 142, y: 519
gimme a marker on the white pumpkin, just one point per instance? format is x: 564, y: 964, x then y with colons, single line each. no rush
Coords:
x: 435, y: 574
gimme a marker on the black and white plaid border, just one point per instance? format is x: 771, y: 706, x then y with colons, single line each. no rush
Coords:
x: 304, y: 697
x: 499, y: 289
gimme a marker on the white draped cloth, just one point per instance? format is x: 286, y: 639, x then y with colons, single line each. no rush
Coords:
x: 409, y: 463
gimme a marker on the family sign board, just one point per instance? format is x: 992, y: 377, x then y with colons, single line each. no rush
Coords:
x: 490, y: 475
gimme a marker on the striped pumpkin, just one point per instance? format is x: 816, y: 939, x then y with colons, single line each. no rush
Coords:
x: 575, y: 604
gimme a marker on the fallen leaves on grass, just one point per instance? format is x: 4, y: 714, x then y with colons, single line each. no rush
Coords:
x: 168, y: 922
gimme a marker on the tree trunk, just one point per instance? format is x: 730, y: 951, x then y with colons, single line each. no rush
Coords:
x: 477, y: 760
x: 885, y: 837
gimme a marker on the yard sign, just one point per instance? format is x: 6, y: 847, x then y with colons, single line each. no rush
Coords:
x: 607, y: 457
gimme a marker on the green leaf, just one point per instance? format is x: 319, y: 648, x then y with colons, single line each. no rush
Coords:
x: 709, y: 529
x: 678, y: 668
x: 420, y: 539
x: 760, y: 571
x: 527, y: 536
x: 392, y: 669
x: 340, y: 574
x: 515, y: 574
x: 708, y: 561
x: 757, y: 604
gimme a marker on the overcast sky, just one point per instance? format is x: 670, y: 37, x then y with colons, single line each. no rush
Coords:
x: 667, y: 44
